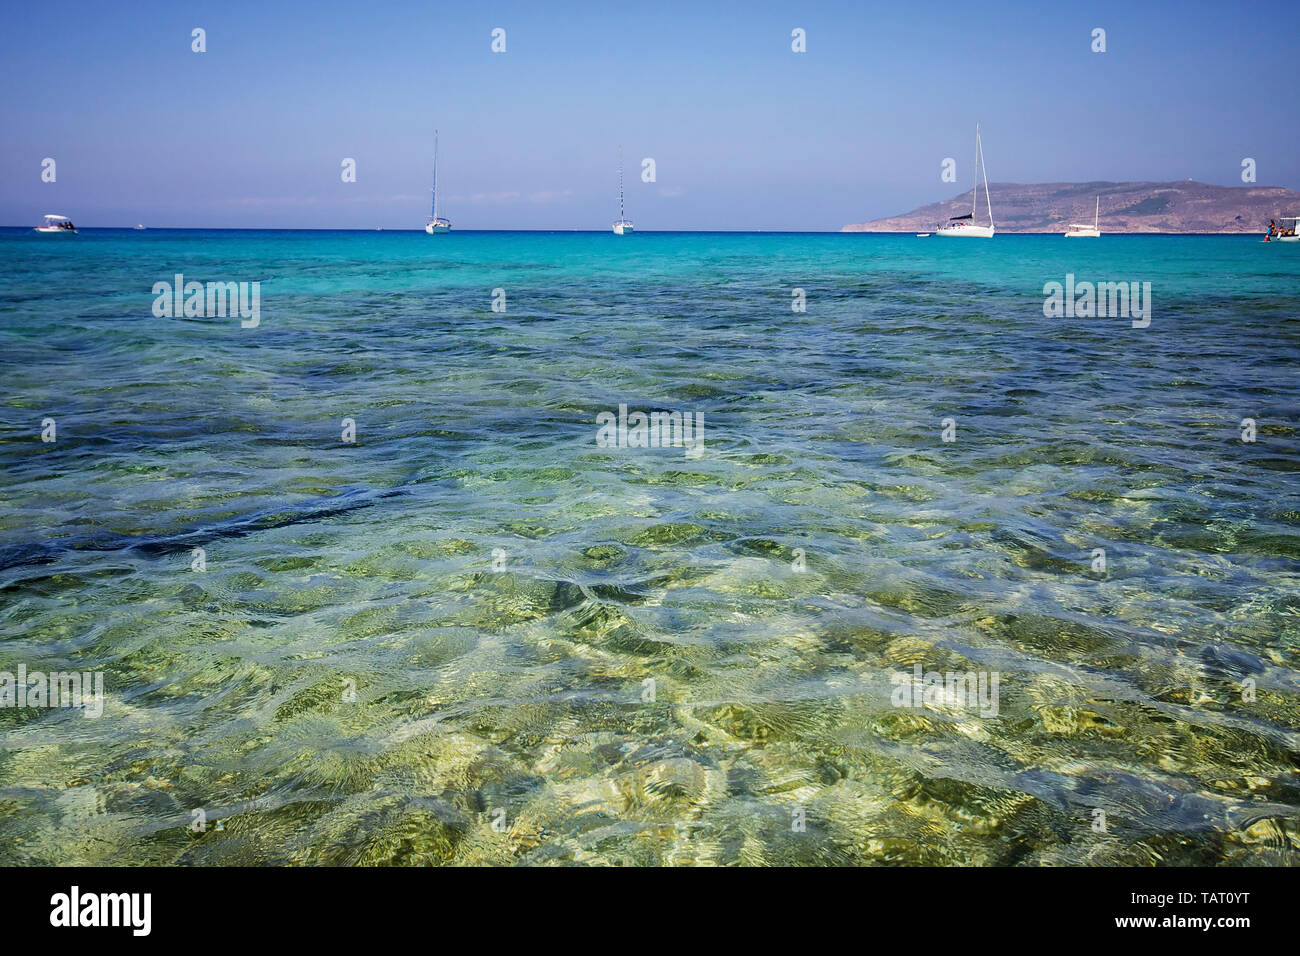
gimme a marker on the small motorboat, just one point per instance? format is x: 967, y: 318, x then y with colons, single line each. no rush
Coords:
x: 922, y: 235
x: 57, y: 226
x: 1282, y: 233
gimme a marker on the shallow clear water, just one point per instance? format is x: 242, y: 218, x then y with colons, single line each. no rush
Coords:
x: 502, y: 713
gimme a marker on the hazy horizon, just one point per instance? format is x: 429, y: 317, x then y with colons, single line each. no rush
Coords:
x: 746, y: 134
x: 419, y: 230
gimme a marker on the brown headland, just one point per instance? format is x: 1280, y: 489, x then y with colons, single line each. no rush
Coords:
x: 1176, y: 207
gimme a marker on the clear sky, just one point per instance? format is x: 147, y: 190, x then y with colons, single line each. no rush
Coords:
x: 745, y: 133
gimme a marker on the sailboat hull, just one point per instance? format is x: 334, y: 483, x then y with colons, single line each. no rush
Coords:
x: 965, y: 231
x: 623, y: 228
x: 437, y: 227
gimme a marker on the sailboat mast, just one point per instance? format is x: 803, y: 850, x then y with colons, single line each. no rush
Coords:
x: 987, y: 198
x: 621, y: 216
x: 1096, y: 216
x: 975, y: 186
x: 435, y: 174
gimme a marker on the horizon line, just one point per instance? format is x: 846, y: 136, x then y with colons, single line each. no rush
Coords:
x: 605, y: 231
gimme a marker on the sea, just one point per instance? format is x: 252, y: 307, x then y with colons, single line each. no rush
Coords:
x: 500, y: 548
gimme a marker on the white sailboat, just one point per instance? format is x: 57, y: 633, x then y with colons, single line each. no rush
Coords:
x: 963, y: 227
x: 435, y: 225
x: 1083, y: 230
x: 624, y: 225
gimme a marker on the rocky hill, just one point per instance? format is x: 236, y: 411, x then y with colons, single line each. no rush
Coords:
x: 1125, y: 207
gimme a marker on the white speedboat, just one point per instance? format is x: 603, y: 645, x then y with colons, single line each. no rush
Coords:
x: 624, y: 225
x: 964, y: 227
x: 436, y: 225
x: 923, y: 235
x: 57, y: 226
x: 1083, y: 230
x: 1282, y: 233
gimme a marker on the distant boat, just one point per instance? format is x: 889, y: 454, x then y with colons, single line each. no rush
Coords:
x: 57, y: 226
x: 436, y: 226
x: 963, y: 227
x: 138, y: 226
x: 1085, y: 231
x: 624, y: 225
x: 922, y: 235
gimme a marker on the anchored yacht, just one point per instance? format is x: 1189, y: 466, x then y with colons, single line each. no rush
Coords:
x: 1083, y: 230
x: 964, y: 227
x: 624, y: 225
x: 435, y: 225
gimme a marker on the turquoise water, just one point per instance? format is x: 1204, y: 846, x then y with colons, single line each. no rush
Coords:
x: 473, y: 635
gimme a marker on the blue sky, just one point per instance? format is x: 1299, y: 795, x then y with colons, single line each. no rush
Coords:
x: 745, y: 133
